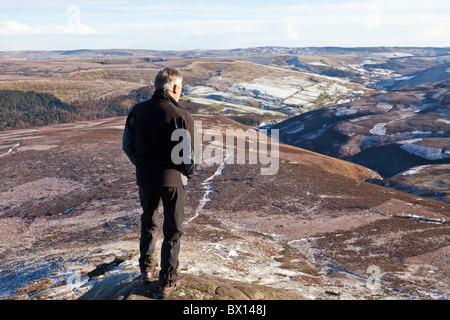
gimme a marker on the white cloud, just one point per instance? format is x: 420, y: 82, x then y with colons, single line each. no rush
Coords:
x: 15, y: 28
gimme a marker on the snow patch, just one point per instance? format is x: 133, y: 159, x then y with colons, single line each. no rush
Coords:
x: 318, y: 133
x: 422, y: 133
x: 414, y: 170
x: 10, y: 150
x: 403, y: 78
x: 393, y: 55
x: 316, y: 63
x: 296, y: 129
x: 207, y: 186
x: 444, y: 121
x: 384, y: 105
x: 360, y: 119
x: 344, y: 111
x: 410, y: 141
x: 379, y: 129
x: 425, y: 152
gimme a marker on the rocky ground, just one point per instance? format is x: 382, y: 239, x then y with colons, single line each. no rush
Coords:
x: 70, y: 221
x: 128, y: 285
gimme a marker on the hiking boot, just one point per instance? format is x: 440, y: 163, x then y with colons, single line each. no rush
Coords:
x: 147, y: 276
x: 164, y: 292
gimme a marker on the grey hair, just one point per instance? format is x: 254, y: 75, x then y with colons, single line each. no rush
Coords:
x: 167, y: 78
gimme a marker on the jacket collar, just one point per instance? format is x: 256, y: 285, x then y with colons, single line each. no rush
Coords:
x: 164, y: 95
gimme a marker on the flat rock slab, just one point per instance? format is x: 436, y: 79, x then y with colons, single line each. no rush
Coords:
x: 129, y: 286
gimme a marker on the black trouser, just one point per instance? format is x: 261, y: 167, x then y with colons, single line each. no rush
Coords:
x: 173, y: 202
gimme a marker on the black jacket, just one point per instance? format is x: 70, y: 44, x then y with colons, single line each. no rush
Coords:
x: 148, y: 144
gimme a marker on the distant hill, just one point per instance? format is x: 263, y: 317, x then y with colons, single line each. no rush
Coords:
x: 434, y: 74
x: 387, y: 52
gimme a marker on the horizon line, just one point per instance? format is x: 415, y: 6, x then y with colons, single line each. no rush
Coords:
x: 230, y: 49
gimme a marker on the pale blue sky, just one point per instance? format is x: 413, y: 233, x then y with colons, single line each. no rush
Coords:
x: 182, y: 24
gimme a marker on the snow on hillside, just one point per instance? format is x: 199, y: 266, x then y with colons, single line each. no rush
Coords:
x: 426, y: 152
x: 286, y: 94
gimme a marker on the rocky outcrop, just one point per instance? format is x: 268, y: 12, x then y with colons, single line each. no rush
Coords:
x: 129, y: 286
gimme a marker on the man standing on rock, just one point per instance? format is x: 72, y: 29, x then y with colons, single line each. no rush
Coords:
x: 148, y: 141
